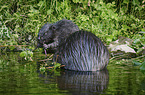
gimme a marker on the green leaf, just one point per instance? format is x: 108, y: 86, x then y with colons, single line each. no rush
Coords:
x: 135, y: 2
x: 15, y: 35
x: 23, y: 54
x: 125, y: 27
x: 12, y: 47
x: 56, y: 65
x: 136, y: 63
x: 49, y: 12
x: 42, y: 69
x: 126, y: 1
x: 142, y: 66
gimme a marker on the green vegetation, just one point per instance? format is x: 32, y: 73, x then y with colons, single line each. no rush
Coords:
x: 20, y: 20
x: 27, y: 55
x: 142, y: 65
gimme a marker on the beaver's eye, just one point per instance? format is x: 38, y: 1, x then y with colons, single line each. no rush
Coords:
x: 52, y: 27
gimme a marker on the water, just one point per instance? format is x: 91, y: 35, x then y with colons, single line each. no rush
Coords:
x: 20, y: 77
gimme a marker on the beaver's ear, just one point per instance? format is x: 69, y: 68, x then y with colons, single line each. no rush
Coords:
x: 53, y: 27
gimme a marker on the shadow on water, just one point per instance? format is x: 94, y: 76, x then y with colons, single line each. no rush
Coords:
x: 78, y: 83
x: 83, y: 83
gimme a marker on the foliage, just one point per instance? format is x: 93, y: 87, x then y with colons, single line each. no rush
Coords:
x: 139, y: 42
x: 142, y: 65
x: 21, y: 20
x: 51, y: 66
x: 7, y: 37
x: 27, y: 55
x: 25, y: 18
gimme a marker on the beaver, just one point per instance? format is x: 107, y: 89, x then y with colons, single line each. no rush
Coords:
x: 82, y: 51
x: 51, y: 35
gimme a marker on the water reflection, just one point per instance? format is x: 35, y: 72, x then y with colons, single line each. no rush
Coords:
x: 83, y: 83
x: 19, y: 77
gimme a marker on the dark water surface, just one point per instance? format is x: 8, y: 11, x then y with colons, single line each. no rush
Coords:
x: 19, y: 77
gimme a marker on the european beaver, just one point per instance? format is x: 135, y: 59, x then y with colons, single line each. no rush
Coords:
x: 51, y: 35
x: 82, y: 51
